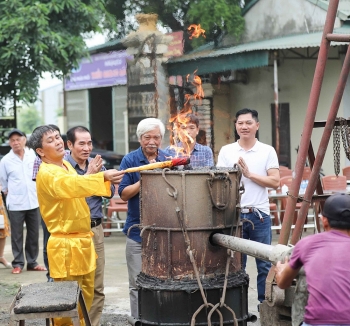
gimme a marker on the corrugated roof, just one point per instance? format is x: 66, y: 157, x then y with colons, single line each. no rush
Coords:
x: 207, y: 65
x: 286, y: 42
x: 247, y: 7
x: 108, y: 46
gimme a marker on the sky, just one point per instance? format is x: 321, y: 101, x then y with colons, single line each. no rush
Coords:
x: 48, y: 81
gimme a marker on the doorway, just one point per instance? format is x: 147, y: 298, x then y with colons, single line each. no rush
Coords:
x: 101, y: 118
x: 284, y: 156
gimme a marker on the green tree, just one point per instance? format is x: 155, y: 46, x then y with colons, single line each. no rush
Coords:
x: 215, y: 16
x: 40, y: 36
x: 28, y: 119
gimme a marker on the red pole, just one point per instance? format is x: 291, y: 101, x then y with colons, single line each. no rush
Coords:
x: 322, y: 148
x: 308, y: 123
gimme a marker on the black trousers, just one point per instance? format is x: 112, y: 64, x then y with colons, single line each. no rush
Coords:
x: 32, y: 219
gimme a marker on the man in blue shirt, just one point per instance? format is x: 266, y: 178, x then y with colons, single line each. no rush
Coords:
x: 150, y: 133
x: 80, y: 144
x: 186, y: 129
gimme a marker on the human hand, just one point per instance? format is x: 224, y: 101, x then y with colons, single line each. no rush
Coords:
x: 279, y: 268
x: 153, y: 161
x: 95, y: 165
x: 113, y: 175
x: 244, y: 167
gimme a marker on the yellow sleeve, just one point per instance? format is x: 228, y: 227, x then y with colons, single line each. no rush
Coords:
x: 64, y: 184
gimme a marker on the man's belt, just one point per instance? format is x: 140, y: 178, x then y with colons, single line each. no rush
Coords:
x: 96, y: 222
x: 246, y: 210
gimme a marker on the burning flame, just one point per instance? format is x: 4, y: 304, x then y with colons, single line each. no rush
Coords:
x: 181, y: 120
x: 197, y: 83
x: 195, y: 31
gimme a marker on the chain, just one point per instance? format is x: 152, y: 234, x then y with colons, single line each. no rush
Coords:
x: 344, y: 130
x: 345, y: 133
x: 336, y: 149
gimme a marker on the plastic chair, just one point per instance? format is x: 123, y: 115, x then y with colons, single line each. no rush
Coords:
x: 306, y: 173
x: 346, y: 172
x: 285, y: 173
x: 330, y: 183
x: 306, y: 176
x: 282, y: 167
x: 334, y: 183
x: 116, y: 205
x: 274, y: 215
x: 288, y: 182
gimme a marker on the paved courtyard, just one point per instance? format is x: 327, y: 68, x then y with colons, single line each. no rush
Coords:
x: 116, y: 278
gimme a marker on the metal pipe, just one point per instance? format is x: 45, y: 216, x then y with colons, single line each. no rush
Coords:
x: 262, y: 251
x: 251, y: 318
x: 277, y: 118
x: 322, y: 148
x: 308, y: 123
x: 133, y: 321
x: 338, y: 37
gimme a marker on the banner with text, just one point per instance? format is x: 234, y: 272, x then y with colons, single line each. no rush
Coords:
x: 100, y: 70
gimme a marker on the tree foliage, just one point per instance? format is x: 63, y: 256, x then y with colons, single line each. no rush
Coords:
x: 28, y: 119
x: 215, y: 16
x: 40, y: 36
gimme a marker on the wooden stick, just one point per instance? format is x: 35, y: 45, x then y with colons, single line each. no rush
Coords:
x: 152, y: 166
x: 160, y: 165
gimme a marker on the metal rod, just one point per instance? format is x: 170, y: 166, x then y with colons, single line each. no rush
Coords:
x: 277, y: 118
x: 322, y: 147
x: 321, y: 124
x: 338, y: 37
x: 308, y: 123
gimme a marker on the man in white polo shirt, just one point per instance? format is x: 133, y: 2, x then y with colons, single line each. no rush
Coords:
x: 16, y: 170
x: 260, y: 170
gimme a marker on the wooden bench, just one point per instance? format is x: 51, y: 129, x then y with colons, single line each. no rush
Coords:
x: 48, y: 300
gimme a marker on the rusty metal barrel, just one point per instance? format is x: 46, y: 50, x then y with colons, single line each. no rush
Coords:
x: 206, y: 201
x: 180, y: 210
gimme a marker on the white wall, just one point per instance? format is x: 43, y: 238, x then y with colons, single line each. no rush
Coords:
x: 269, y: 18
x: 77, y: 109
x: 49, y: 101
x: 119, y: 98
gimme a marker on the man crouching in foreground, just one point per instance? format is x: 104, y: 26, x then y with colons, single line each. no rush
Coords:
x: 61, y: 195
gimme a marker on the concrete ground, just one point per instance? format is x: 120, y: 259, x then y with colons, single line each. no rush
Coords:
x: 116, y: 278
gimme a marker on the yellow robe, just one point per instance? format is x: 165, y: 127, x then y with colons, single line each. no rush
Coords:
x: 70, y: 249
x: 61, y: 196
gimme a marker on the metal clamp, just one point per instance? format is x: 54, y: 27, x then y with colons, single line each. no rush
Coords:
x: 226, y: 179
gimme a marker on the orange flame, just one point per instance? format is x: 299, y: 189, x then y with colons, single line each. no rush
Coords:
x: 197, y: 83
x: 195, y: 31
x: 180, y: 120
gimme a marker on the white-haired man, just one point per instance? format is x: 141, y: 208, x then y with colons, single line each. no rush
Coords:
x: 150, y: 133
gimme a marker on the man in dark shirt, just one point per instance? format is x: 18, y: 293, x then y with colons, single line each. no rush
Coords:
x: 80, y: 144
x: 150, y: 133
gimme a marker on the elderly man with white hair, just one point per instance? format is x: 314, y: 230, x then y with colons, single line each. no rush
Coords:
x: 150, y: 133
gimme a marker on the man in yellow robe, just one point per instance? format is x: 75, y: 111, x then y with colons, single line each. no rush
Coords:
x: 61, y: 195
